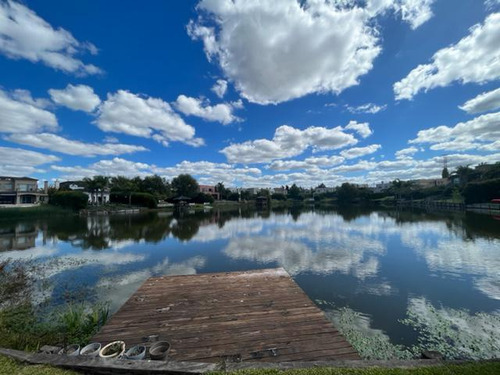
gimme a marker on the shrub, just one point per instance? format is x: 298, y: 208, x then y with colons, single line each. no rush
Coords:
x: 75, y: 200
x: 278, y: 197
x: 138, y: 199
x: 203, y: 198
x: 484, y: 191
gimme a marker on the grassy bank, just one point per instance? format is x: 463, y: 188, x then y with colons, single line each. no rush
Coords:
x: 10, y: 367
x: 476, y: 368
x: 33, y: 212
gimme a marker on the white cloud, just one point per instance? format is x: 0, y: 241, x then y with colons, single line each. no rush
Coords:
x: 24, y: 96
x: 490, y: 4
x: 465, y: 135
x: 24, y: 35
x: 124, y: 112
x: 475, y: 58
x: 222, y: 112
x: 20, y: 162
x: 208, y: 173
x: 67, y: 146
x: 288, y: 142
x: 308, y: 163
x: 363, y: 129
x: 20, y: 113
x: 367, y: 108
x: 279, y: 50
x: 220, y: 88
x: 406, y: 152
x: 357, y: 152
x: 485, y: 102
x: 414, y: 12
x: 79, y: 97
x: 113, y: 167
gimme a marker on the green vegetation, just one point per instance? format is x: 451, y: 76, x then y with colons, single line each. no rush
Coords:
x: 25, y: 326
x: 185, y: 185
x: 32, y: 212
x: 74, y: 200
x: 483, y: 191
x: 11, y: 367
x: 136, y: 199
x: 480, y: 368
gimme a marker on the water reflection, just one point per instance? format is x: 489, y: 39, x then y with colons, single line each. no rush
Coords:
x: 375, y: 262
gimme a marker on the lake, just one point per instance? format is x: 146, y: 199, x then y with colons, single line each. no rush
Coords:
x: 440, y: 268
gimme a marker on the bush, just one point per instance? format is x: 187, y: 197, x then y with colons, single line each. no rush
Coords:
x: 75, y: 200
x: 481, y: 192
x: 278, y: 197
x: 138, y: 199
x: 203, y: 198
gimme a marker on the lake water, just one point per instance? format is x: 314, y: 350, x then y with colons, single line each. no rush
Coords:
x: 383, y: 265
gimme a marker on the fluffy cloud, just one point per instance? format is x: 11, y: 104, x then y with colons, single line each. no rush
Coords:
x: 357, y: 152
x: 79, y: 97
x: 222, y: 112
x: 24, y: 35
x: 475, y: 58
x: 220, y: 88
x: 288, y: 142
x: 19, y: 162
x: 205, y: 172
x: 414, y: 12
x: 406, y: 152
x: 113, y: 167
x: 67, y: 146
x: 308, y: 163
x: 465, y: 135
x: 367, y: 108
x: 485, y: 102
x: 363, y: 129
x: 279, y: 50
x: 209, y: 173
x: 20, y: 113
x: 124, y: 112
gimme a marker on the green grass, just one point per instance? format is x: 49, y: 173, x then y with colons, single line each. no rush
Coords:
x: 32, y: 212
x: 10, y: 367
x: 472, y: 368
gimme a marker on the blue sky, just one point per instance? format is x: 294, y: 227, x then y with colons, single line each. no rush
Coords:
x: 250, y: 93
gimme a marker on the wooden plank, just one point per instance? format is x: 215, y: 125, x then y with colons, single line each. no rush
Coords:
x: 260, y: 316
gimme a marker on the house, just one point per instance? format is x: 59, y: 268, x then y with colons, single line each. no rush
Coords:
x: 430, y: 182
x: 280, y: 190
x: 209, y: 190
x: 22, y: 191
x: 383, y: 186
x: 94, y: 197
x: 323, y: 190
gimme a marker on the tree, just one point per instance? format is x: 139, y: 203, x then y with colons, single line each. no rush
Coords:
x: 445, y: 173
x: 221, y: 189
x: 124, y: 185
x: 185, y: 185
x: 294, y: 192
x: 155, y: 185
x: 347, y: 193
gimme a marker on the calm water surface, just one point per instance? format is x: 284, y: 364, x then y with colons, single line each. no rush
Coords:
x: 382, y: 264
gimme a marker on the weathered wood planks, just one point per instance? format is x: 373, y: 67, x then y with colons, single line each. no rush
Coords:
x: 257, y: 316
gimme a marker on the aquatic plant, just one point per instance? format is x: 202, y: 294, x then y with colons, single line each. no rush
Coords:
x: 369, y: 343
x: 457, y: 334
x: 25, y: 325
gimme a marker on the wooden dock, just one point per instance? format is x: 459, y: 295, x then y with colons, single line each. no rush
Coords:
x: 254, y: 316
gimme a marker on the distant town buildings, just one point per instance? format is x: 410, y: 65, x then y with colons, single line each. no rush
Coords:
x: 95, y: 197
x: 210, y: 190
x: 426, y: 183
x: 21, y: 191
